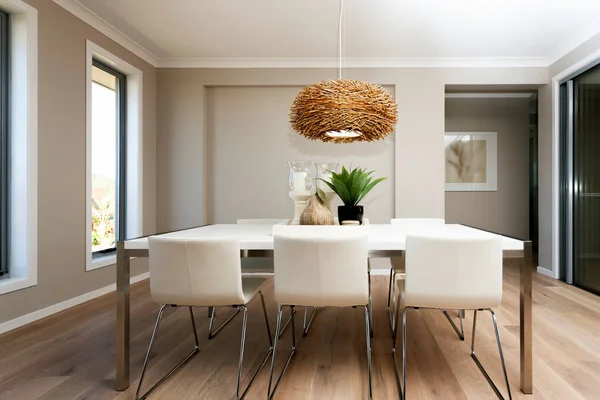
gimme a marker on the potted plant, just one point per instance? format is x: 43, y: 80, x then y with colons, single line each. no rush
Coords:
x: 352, y: 187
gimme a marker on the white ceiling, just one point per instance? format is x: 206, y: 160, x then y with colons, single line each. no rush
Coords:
x: 384, y: 32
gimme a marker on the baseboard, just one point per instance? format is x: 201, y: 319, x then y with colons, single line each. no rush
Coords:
x: 375, y: 271
x: 56, y: 308
x: 545, y: 272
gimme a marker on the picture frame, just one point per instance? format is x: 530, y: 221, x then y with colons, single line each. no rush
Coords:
x: 471, y: 160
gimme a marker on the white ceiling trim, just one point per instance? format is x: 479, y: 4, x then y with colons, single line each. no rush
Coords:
x: 586, y: 33
x: 475, y: 95
x: 92, y: 19
x: 350, y: 62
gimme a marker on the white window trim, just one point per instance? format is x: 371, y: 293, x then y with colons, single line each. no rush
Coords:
x: 134, y: 149
x: 24, y: 131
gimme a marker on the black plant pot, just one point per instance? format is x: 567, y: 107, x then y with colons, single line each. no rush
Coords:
x: 350, y: 213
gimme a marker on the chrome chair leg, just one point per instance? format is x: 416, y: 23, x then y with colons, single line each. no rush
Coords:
x: 242, y: 345
x: 370, y: 300
x: 277, y: 327
x: 262, y: 300
x: 152, y: 341
x: 391, y: 301
x: 483, y: 371
x: 270, y: 393
x: 461, y: 332
x: 287, y: 322
x: 370, y: 311
x: 305, y: 325
x: 401, y: 384
x: 211, y: 333
x: 368, y: 341
x: 390, y: 288
x: 269, y: 353
x: 194, y: 326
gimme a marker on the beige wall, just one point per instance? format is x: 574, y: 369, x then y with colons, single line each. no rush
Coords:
x: 506, y: 210
x: 61, y: 162
x: 419, y: 146
x: 247, y: 156
x: 180, y: 150
x: 548, y: 205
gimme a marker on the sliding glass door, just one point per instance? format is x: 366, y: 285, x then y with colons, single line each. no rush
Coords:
x: 580, y: 156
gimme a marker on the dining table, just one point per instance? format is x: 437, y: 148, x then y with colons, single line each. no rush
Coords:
x: 384, y: 241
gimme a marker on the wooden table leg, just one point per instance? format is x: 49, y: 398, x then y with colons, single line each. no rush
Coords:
x: 526, y: 321
x: 123, y: 339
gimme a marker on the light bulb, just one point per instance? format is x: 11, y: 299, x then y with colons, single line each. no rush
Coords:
x: 343, y: 134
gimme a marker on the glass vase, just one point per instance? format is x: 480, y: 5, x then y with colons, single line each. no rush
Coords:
x: 324, y: 172
x: 300, y: 177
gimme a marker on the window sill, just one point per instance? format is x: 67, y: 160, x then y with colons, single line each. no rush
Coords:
x: 101, y: 262
x: 8, y: 285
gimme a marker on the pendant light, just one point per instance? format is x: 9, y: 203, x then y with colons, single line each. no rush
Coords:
x: 344, y: 110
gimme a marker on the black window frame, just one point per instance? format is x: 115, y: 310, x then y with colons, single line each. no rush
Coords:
x: 4, y: 142
x: 121, y: 184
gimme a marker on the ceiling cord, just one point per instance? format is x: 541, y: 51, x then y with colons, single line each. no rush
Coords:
x: 340, y: 38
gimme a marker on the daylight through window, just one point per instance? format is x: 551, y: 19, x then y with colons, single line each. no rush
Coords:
x: 108, y: 152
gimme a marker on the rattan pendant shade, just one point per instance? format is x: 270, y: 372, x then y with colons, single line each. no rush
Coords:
x: 343, y: 111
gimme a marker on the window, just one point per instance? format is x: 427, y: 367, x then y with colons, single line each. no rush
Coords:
x: 108, y: 152
x: 18, y: 146
x: 114, y: 168
x: 4, y: 141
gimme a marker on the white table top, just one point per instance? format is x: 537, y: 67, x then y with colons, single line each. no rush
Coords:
x: 260, y: 237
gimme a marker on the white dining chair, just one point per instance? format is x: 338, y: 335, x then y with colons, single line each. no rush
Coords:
x: 319, y: 266
x: 413, y: 225
x: 201, y: 273
x: 448, y: 272
x: 260, y: 263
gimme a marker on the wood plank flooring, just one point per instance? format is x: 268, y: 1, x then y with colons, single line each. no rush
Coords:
x: 71, y: 355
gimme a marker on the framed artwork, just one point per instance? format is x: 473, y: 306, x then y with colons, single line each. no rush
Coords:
x: 471, y: 161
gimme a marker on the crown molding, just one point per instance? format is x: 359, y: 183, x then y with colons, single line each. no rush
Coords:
x: 351, y: 62
x: 96, y: 22
x: 483, y: 95
x: 583, y: 35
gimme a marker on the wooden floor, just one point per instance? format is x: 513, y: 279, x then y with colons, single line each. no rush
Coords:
x: 71, y: 355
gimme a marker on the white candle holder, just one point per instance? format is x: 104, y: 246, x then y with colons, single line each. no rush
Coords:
x: 300, y: 202
x: 301, y: 187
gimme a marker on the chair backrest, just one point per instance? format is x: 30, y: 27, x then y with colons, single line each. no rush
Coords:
x: 446, y: 271
x: 321, y: 265
x: 418, y: 222
x: 198, y: 272
x: 266, y: 221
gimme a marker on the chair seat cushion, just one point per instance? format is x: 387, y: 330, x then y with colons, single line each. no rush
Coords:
x: 441, y: 302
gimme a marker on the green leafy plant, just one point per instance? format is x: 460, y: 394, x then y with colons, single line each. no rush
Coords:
x: 353, y: 186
